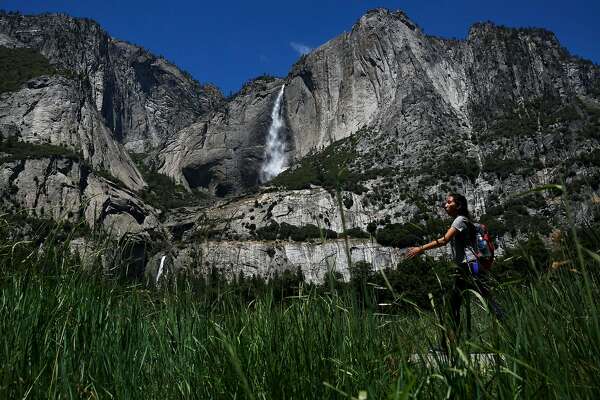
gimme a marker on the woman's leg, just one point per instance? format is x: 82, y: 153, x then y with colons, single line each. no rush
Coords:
x: 452, y: 304
x: 483, y: 285
x: 456, y: 300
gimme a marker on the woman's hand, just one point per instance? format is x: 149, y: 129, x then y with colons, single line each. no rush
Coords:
x: 412, y: 252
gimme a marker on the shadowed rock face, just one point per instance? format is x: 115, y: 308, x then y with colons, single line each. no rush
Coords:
x: 224, y: 152
x: 199, y: 176
x: 110, y: 97
x: 143, y: 99
x: 59, y: 111
x: 64, y: 189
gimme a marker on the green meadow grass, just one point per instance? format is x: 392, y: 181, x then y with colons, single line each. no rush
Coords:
x: 71, y: 333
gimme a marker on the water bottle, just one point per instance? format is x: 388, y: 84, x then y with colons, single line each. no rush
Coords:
x: 474, y: 267
x: 482, y: 245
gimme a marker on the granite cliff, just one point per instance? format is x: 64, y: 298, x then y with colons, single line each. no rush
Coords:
x: 380, y: 122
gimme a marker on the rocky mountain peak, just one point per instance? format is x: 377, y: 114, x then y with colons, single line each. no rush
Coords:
x: 380, y: 21
x: 540, y: 39
x: 53, y: 33
x: 168, y: 99
x: 383, y: 15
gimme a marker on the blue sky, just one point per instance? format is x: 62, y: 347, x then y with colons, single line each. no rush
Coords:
x: 229, y: 42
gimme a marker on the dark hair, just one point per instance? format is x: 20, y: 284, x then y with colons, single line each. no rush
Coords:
x: 463, y: 209
x: 461, y: 203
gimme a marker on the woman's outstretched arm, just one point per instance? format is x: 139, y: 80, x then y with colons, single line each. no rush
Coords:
x: 444, y: 240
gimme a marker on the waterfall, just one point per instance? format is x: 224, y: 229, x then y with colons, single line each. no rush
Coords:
x: 275, y: 161
x: 160, y: 269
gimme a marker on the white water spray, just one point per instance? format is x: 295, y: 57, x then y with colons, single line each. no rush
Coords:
x: 275, y: 161
x: 160, y: 269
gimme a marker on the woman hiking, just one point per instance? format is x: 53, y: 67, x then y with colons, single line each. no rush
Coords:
x: 468, y: 275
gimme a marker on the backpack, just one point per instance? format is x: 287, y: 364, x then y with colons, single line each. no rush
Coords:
x: 483, y: 248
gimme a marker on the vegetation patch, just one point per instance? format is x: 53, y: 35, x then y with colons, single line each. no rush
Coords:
x: 330, y: 168
x: 163, y: 193
x: 460, y: 165
x: 21, y: 225
x: 591, y: 159
x: 415, y: 279
x: 515, y: 216
x: 355, y: 233
x: 17, y: 66
x: 580, y: 187
x: 17, y: 150
x: 400, y: 235
x: 505, y: 167
x: 524, y: 262
x: 285, y: 337
x: 521, y: 120
x: 422, y: 228
x: 110, y: 177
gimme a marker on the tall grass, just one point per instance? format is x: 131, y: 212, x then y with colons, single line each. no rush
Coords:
x: 74, y: 333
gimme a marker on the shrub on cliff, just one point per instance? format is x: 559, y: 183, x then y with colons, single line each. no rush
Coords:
x: 355, y: 233
x: 162, y: 191
x: 285, y: 231
x: 399, y: 235
x: 17, y: 66
x: 526, y: 261
x: 329, y: 168
x: 17, y: 150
